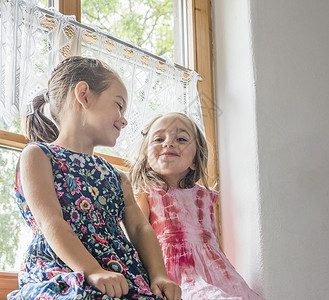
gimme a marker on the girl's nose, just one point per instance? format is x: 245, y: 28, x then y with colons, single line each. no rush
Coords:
x: 124, y: 122
x: 168, y: 143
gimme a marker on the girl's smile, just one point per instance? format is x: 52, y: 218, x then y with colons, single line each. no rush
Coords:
x: 169, y: 153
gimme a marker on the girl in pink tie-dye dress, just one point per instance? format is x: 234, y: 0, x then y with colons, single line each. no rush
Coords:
x: 172, y: 158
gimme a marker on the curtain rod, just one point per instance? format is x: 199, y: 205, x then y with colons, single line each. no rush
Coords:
x: 127, y: 44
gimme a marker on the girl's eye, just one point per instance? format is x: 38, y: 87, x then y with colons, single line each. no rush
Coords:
x: 158, y: 140
x: 120, y: 106
x: 181, y: 139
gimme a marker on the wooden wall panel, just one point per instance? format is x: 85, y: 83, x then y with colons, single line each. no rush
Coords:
x: 201, y: 60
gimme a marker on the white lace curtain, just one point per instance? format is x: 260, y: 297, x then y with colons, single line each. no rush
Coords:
x: 34, y: 40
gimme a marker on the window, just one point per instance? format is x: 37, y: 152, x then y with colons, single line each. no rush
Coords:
x: 198, y: 15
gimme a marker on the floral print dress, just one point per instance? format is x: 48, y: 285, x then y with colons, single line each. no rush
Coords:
x: 89, y: 191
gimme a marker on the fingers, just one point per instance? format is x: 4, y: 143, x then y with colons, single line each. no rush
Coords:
x: 109, y: 290
x: 173, y: 294
x: 155, y: 290
x: 178, y: 293
x: 171, y: 290
x: 110, y: 283
x: 116, y: 287
x: 124, y: 286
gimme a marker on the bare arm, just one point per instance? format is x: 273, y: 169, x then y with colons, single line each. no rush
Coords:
x: 146, y: 243
x: 142, y: 200
x: 39, y: 192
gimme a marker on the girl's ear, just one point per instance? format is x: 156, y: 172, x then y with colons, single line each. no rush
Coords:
x: 81, y: 93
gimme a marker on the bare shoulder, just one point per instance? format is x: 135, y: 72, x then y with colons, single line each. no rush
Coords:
x: 35, y: 164
x: 143, y: 202
x: 142, y: 197
x: 125, y: 182
x: 32, y: 150
x: 33, y: 154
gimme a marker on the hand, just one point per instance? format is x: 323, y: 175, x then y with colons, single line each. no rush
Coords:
x: 168, y: 287
x: 110, y: 283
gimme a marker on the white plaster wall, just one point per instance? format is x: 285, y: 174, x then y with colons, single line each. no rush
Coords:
x: 289, y: 54
x: 291, y: 51
x: 234, y: 91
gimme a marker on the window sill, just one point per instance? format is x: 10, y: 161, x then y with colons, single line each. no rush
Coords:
x: 8, y: 283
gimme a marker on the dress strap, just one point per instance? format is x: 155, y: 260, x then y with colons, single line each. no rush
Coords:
x: 214, y: 196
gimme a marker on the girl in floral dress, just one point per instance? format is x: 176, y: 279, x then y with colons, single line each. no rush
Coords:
x: 74, y: 200
x: 171, y: 159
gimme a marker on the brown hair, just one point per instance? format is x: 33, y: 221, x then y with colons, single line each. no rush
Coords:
x: 142, y: 176
x: 63, y: 80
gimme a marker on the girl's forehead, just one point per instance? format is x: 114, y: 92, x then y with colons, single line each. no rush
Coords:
x: 171, y: 124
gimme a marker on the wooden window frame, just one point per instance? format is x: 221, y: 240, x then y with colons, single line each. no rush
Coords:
x: 199, y: 34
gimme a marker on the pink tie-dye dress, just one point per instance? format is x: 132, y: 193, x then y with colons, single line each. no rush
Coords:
x: 184, y: 222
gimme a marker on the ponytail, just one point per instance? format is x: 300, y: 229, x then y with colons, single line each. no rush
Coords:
x: 39, y: 128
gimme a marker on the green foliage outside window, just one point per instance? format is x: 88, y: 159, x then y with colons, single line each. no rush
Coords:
x: 11, y: 221
x: 146, y: 23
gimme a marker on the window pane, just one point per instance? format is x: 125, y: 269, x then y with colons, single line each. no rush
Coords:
x: 14, y: 126
x: 14, y: 234
x: 146, y: 23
